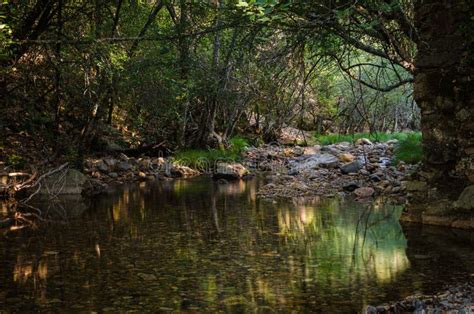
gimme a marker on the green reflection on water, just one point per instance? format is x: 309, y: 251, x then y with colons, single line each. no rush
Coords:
x: 195, y: 245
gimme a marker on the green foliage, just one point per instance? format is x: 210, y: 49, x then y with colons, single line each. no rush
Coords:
x: 409, y: 149
x: 374, y: 137
x: 204, y: 159
x: 15, y: 161
x: 238, y: 144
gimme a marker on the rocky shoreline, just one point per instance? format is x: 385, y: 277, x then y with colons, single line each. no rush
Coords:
x: 362, y: 169
x: 454, y: 299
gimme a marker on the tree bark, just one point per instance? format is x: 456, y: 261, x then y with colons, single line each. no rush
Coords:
x: 444, y: 81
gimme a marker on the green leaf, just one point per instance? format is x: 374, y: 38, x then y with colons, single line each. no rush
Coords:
x: 242, y: 4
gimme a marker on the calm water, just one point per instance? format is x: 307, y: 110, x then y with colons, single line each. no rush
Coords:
x: 197, y: 246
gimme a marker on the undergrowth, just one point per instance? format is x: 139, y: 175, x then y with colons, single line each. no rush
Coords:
x: 409, y: 149
x: 374, y: 137
x: 203, y: 159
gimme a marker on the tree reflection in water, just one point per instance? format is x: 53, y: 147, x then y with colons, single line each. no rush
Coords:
x: 196, y: 244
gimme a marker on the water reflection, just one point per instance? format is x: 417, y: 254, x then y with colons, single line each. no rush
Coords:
x: 198, y: 245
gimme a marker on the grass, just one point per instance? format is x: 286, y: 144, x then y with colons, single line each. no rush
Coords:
x: 374, y: 137
x: 409, y: 149
x: 203, y: 159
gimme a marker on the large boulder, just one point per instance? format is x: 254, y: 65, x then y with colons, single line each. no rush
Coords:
x: 312, y: 162
x: 229, y: 171
x: 70, y: 181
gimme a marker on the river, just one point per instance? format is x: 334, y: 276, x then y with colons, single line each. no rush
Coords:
x: 198, y: 246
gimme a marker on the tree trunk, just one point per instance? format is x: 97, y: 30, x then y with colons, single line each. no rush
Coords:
x: 443, y: 89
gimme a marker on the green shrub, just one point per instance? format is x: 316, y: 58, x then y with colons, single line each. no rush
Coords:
x: 203, y: 159
x: 374, y: 137
x: 409, y: 150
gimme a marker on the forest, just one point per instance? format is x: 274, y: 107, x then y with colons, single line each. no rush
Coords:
x: 319, y: 117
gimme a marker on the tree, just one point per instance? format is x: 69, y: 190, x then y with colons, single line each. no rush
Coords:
x: 443, y: 90
x: 433, y: 42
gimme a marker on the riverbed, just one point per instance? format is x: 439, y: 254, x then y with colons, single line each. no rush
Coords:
x: 196, y: 245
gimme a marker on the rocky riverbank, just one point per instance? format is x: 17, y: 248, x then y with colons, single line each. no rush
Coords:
x: 363, y: 169
x: 459, y: 299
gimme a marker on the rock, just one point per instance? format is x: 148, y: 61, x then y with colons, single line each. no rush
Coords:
x: 351, y: 186
x: 178, y: 171
x: 113, y: 175
x: 123, y: 157
x: 142, y: 175
x: 413, y: 186
x: 401, y: 166
x: 110, y: 162
x: 352, y: 167
x: 364, y: 192
x: 69, y: 182
x: 311, y: 150
x: 227, y: 171
x: 313, y: 162
x: 123, y: 166
x: 101, y: 166
x: 344, y: 144
x: 346, y: 157
x: 375, y: 178
x: 363, y: 141
x: 466, y: 199
x: 144, y: 163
